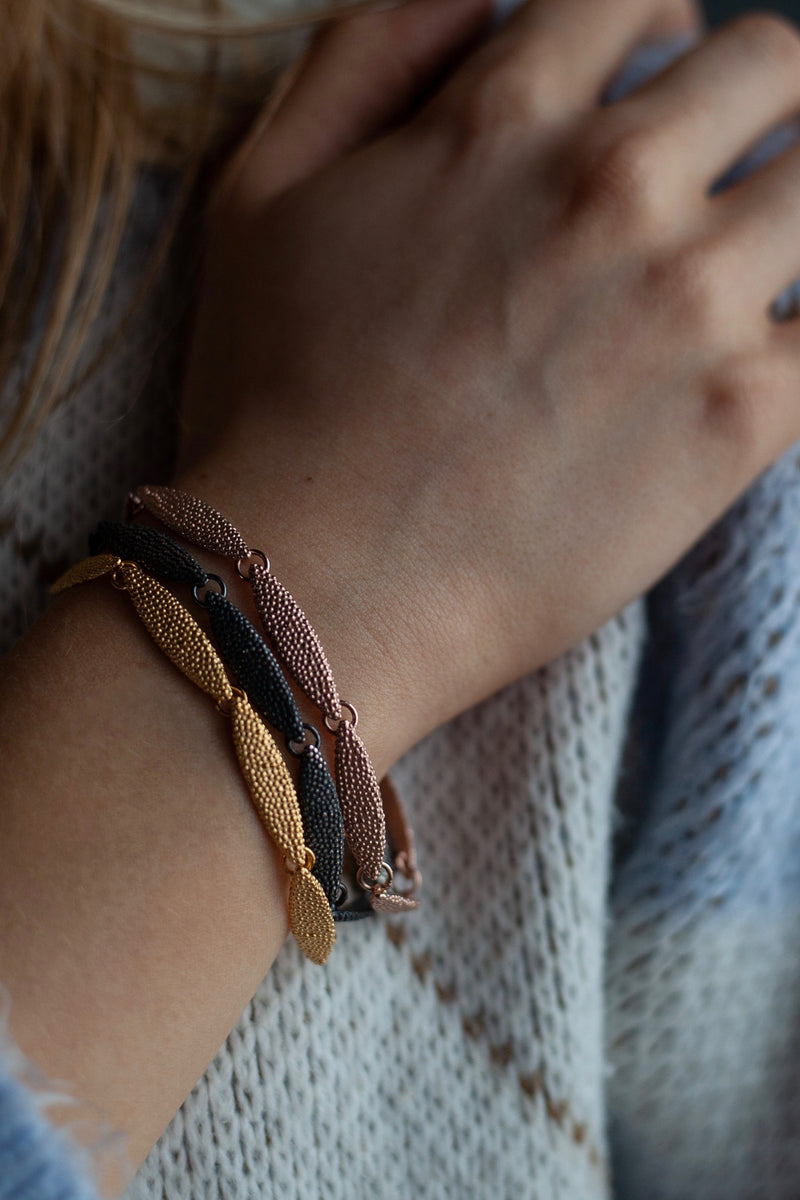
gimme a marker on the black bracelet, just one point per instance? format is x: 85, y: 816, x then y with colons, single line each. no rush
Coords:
x: 248, y: 656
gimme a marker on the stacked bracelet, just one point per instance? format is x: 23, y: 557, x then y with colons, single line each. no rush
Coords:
x: 264, y: 771
x: 298, y: 646
x: 246, y: 654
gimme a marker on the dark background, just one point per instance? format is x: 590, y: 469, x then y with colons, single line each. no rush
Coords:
x: 720, y: 10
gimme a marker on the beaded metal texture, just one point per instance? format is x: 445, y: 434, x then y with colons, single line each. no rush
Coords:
x: 198, y: 522
x: 366, y: 831
x: 322, y: 822
x: 292, y: 634
x: 258, y: 673
x: 83, y: 572
x: 296, y: 641
x: 256, y: 667
x: 153, y: 552
x: 268, y: 781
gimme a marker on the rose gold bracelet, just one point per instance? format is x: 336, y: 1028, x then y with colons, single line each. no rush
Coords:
x: 297, y: 644
x: 270, y: 786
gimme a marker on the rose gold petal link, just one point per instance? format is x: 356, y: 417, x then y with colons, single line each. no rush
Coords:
x: 310, y: 917
x: 360, y: 798
x: 295, y: 640
x: 268, y: 781
x: 176, y: 632
x: 388, y: 903
x: 193, y: 519
x: 401, y: 835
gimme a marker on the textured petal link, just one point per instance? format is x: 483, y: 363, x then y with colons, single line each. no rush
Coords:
x: 256, y: 667
x: 82, y: 572
x: 268, y: 781
x: 296, y: 642
x: 322, y: 820
x: 153, y: 551
x: 360, y: 798
x: 177, y: 633
x: 183, y: 641
x: 310, y: 917
x: 193, y: 519
x: 401, y: 835
x: 389, y: 903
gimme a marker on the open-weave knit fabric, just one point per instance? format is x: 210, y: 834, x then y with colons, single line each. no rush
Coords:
x: 704, y: 959
x: 488, y: 1018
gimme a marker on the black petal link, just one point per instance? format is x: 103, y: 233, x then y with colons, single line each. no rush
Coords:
x: 352, y: 914
x: 259, y: 674
x: 322, y: 820
x: 256, y: 667
x: 151, y: 549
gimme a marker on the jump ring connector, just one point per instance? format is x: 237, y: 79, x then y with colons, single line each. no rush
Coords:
x: 253, y: 554
x: 115, y: 579
x: 226, y: 706
x: 132, y: 507
x: 290, y: 867
x: 408, y: 872
x: 332, y: 723
x: 223, y: 591
x: 377, y: 885
x: 305, y: 743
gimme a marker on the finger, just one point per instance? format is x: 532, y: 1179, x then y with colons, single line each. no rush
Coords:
x: 716, y: 101
x: 558, y: 56
x: 357, y: 77
x: 759, y: 218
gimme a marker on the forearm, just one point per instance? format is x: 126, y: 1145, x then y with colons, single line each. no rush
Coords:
x: 141, y: 902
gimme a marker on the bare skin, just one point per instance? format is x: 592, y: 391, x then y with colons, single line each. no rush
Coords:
x: 488, y: 374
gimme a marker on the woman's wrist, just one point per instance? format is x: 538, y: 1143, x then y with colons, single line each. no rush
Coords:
x: 376, y: 634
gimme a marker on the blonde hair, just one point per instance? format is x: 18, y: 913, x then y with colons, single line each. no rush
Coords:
x: 90, y: 91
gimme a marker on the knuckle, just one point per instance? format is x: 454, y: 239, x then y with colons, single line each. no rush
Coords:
x: 503, y: 100
x: 621, y: 177
x: 734, y: 412
x: 691, y: 284
x: 769, y: 36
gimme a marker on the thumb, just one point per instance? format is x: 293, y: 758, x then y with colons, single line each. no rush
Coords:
x: 359, y: 75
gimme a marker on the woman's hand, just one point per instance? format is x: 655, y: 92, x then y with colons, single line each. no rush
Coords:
x: 483, y: 379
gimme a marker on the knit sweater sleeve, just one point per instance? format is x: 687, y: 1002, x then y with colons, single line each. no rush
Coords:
x: 39, y: 1160
x: 35, y: 1163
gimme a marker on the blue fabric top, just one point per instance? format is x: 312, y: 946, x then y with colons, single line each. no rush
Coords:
x: 36, y: 1161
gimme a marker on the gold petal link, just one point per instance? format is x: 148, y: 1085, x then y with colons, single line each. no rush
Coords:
x: 82, y: 572
x: 310, y: 917
x: 176, y: 632
x: 268, y: 781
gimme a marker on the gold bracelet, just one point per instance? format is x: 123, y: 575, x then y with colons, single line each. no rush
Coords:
x: 268, y: 781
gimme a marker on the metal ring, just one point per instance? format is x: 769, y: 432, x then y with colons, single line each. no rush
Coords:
x: 290, y: 867
x: 341, y: 895
x: 223, y: 591
x: 121, y: 587
x: 305, y: 744
x: 133, y: 506
x: 227, y: 705
x: 377, y: 884
x: 408, y: 872
x: 337, y: 721
x: 251, y: 554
